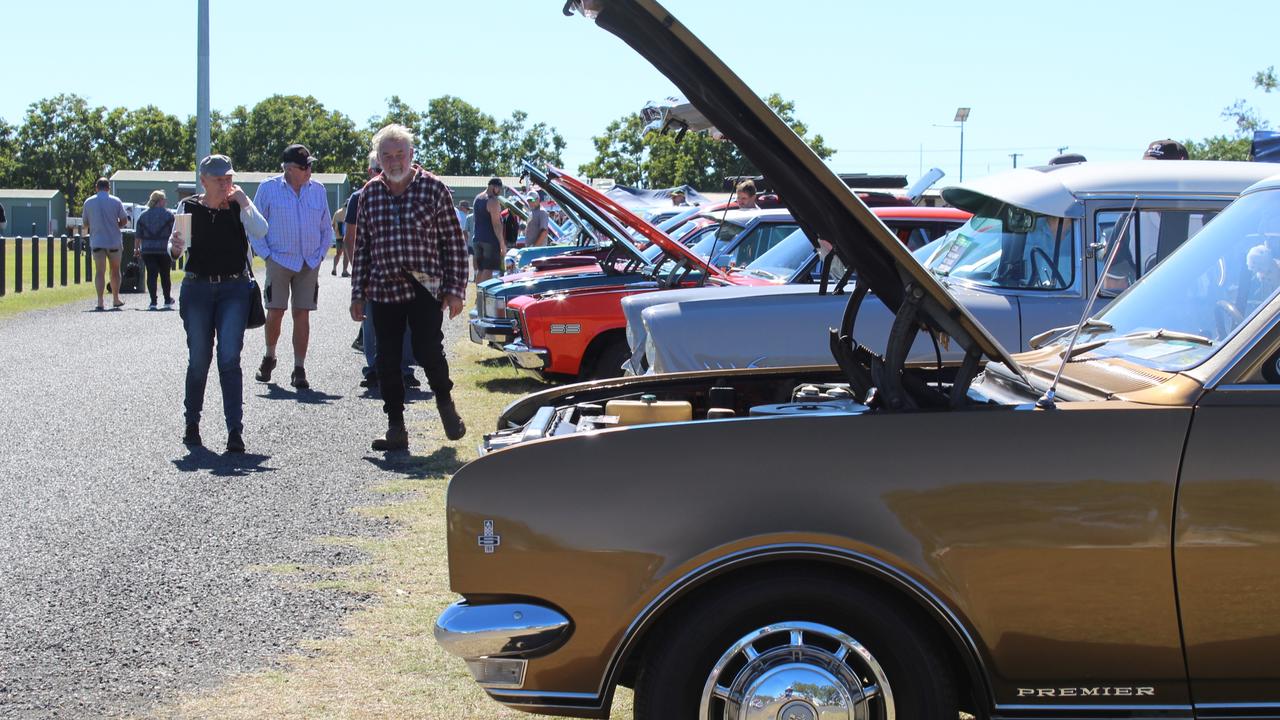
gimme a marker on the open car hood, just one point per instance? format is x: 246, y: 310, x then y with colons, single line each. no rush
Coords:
x: 628, y: 219
x: 820, y: 202
x: 587, y: 212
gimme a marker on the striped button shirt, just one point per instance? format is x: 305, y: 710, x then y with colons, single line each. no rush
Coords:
x: 398, y: 237
x: 300, y: 228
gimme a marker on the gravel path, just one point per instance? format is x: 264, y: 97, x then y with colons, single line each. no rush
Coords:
x: 130, y: 568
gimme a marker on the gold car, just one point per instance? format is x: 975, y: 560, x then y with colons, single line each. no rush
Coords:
x: 1088, y: 530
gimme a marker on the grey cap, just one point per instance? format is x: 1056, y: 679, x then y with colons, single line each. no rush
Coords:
x: 216, y: 166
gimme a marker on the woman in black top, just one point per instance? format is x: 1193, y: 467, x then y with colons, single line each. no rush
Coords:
x: 215, y: 294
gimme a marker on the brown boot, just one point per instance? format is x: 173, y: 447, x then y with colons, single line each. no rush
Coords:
x: 396, y: 438
x: 454, y: 428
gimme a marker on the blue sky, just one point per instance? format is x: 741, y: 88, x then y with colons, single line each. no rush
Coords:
x: 1102, y: 78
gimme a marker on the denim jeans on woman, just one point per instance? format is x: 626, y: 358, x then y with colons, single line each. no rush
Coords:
x: 210, y: 309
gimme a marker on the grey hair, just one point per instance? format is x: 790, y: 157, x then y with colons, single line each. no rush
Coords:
x: 373, y: 160
x: 393, y: 133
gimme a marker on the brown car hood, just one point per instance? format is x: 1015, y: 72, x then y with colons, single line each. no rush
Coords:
x: 820, y: 202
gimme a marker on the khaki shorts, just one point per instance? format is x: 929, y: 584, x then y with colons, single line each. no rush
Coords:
x: 282, y: 283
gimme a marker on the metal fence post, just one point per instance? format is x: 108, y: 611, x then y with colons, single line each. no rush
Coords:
x: 35, y: 262
x: 17, y: 265
x: 62, y: 277
x: 88, y: 258
x: 4, y: 254
x: 48, y: 264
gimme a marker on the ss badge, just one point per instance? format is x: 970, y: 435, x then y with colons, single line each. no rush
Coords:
x: 489, y: 540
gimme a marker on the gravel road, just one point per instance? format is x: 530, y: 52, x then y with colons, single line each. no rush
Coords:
x: 132, y: 569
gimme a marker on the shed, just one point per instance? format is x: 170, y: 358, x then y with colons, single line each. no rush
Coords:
x: 136, y: 185
x: 467, y: 187
x: 34, y: 212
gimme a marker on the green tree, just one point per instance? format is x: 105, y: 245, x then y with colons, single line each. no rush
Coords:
x: 60, y: 146
x: 539, y: 143
x: 254, y: 138
x: 217, y: 128
x: 8, y: 154
x: 1222, y: 147
x: 146, y: 139
x: 659, y: 160
x: 457, y: 138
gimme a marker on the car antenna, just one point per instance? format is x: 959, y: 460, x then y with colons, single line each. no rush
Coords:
x: 1048, y: 400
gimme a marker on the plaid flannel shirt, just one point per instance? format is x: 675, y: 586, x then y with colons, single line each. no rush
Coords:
x: 396, y: 237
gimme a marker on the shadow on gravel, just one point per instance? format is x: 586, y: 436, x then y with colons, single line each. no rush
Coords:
x: 224, y: 465
x: 444, y: 461
x: 495, y: 362
x: 517, y: 385
x: 306, y: 397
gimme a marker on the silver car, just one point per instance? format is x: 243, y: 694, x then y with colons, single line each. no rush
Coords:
x: 1024, y: 264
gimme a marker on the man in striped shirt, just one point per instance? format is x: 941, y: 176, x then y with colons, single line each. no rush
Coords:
x: 411, y: 264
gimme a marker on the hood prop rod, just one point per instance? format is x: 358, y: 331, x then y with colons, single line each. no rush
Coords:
x: 1048, y: 400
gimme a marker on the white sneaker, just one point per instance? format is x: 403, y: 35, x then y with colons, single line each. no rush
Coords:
x: 152, y: 306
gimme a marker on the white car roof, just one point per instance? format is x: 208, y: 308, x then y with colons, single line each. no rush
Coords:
x: 1060, y: 189
x: 742, y: 217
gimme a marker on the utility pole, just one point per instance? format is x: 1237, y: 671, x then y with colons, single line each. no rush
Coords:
x: 1062, y: 149
x: 1015, y: 157
x: 202, y: 83
x: 962, y: 115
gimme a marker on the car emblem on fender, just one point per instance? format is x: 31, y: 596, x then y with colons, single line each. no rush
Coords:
x: 489, y: 540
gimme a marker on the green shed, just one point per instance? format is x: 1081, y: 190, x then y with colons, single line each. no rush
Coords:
x: 34, y: 212
x: 135, y: 186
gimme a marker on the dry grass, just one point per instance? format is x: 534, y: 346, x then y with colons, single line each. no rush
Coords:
x: 387, y: 664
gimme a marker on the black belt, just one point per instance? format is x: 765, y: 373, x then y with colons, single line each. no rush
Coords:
x: 216, y: 278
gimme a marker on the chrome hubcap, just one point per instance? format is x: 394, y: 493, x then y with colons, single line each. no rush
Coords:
x: 796, y: 671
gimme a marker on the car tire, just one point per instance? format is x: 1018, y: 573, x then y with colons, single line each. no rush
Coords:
x: 608, y: 362
x: 707, y: 648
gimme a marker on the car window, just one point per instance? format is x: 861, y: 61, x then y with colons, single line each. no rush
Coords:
x: 1009, y: 248
x: 1148, y: 238
x: 754, y: 244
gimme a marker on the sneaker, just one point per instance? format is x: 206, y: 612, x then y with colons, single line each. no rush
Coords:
x: 264, y: 370
x: 168, y: 304
x: 369, y: 381
x: 411, y: 381
x: 346, y: 274
x: 335, y: 271
x: 454, y: 428
x: 396, y: 438
x: 192, y: 436
x: 235, y: 443
x: 299, y: 379
x: 152, y: 306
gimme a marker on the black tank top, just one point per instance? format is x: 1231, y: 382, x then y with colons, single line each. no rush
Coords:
x: 218, y: 243
x: 484, y: 225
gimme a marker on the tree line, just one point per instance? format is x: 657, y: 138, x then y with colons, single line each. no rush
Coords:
x: 64, y: 143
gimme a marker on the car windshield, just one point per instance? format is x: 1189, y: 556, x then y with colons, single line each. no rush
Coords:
x: 783, y: 260
x: 1008, y: 248
x: 720, y: 239
x: 1202, y: 294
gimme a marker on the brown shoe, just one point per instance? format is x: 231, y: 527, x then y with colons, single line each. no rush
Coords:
x: 397, y: 438
x: 264, y: 370
x: 454, y: 428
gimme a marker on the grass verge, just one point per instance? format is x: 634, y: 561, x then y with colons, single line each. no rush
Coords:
x: 387, y: 664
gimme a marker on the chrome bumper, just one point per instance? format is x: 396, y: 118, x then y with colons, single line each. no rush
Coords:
x: 527, y: 358
x: 496, y: 640
x: 495, y: 333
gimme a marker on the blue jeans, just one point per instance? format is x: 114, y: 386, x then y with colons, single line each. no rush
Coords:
x: 371, y: 346
x: 212, y: 310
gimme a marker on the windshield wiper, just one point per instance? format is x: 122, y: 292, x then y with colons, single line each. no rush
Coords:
x: 1160, y: 334
x: 762, y: 273
x: 1037, y: 341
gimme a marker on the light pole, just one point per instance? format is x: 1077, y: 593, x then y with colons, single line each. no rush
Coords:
x: 962, y: 114
x: 202, y: 83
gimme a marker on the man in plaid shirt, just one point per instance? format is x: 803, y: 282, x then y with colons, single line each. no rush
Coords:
x: 411, y: 264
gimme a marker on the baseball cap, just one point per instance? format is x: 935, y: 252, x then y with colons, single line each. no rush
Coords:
x: 678, y: 191
x: 298, y: 155
x: 216, y: 166
x: 1165, y: 150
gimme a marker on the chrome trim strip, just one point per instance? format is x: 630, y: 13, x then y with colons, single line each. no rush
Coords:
x: 508, y: 630
x: 677, y: 589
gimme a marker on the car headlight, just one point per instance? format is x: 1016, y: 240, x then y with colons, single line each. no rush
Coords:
x: 494, y: 306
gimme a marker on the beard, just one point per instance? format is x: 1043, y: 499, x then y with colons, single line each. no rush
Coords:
x: 400, y: 176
